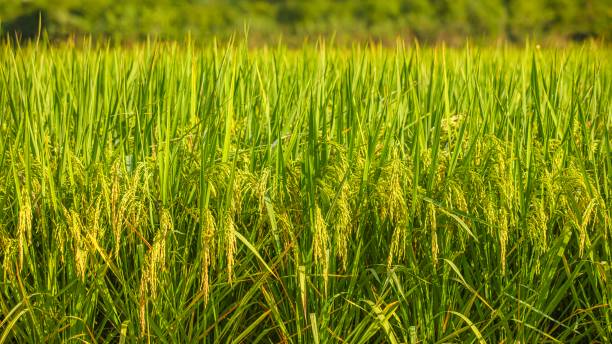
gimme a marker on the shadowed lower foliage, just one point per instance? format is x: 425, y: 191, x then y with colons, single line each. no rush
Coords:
x: 178, y: 194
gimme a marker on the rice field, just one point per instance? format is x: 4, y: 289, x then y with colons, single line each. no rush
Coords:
x: 172, y: 192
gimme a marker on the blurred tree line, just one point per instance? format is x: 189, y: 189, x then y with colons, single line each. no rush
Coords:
x: 426, y: 20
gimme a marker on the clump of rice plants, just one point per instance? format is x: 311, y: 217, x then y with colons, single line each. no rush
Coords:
x: 170, y: 192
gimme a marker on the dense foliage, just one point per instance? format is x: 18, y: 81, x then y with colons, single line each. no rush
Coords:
x: 177, y: 194
x: 426, y: 20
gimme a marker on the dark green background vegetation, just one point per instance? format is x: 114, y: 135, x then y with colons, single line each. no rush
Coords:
x: 426, y: 20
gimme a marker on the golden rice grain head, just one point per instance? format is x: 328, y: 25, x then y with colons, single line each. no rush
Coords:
x: 398, y: 205
x: 78, y: 169
x: 460, y: 201
x: 24, y: 227
x: 121, y: 215
x: 537, y: 227
x: 326, y: 272
x: 60, y: 237
x: 8, y: 248
x: 230, y: 245
x: 205, y: 278
x: 261, y: 188
x: 503, y: 238
x: 397, y: 245
x: 80, y: 253
x: 166, y: 224
x: 157, y: 261
x: 586, y: 218
x: 208, y: 242
x: 489, y: 212
x: 286, y: 228
x: 238, y: 189
x: 156, y: 265
x: 320, y: 237
x: 80, y: 259
x: 431, y: 221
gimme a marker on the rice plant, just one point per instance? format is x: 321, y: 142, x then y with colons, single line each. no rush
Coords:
x: 175, y: 192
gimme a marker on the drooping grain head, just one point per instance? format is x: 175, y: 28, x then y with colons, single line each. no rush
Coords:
x: 230, y: 245
x: 431, y: 223
x: 157, y: 262
x: 24, y: 227
x: 503, y: 237
x: 208, y: 248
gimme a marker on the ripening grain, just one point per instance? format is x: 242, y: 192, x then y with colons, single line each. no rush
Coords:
x: 169, y: 192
